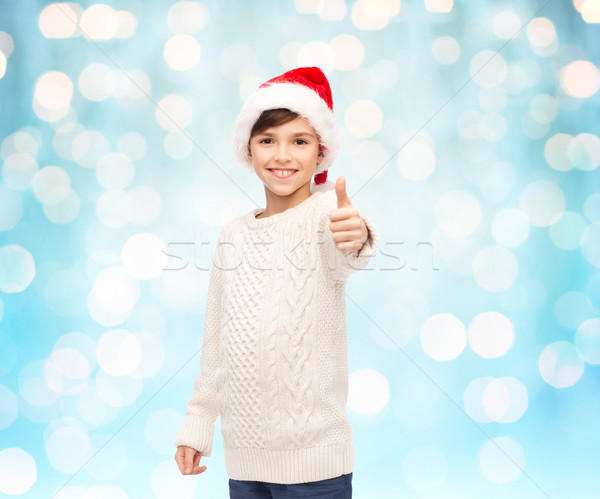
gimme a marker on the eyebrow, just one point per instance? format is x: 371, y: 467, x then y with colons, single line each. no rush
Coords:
x: 298, y: 134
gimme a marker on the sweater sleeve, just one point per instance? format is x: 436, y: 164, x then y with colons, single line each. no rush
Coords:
x: 197, y: 428
x: 344, y: 263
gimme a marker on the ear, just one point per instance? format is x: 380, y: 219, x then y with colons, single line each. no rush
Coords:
x: 249, y: 155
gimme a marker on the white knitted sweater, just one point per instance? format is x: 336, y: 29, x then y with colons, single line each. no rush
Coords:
x: 274, y: 362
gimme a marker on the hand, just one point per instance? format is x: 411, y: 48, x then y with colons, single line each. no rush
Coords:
x: 347, y: 227
x: 188, y: 460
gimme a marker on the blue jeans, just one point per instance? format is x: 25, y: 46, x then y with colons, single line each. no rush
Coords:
x: 332, y: 488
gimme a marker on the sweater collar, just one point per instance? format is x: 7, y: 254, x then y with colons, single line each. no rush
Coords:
x: 256, y: 223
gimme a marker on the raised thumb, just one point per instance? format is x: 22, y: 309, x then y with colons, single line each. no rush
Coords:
x: 340, y: 190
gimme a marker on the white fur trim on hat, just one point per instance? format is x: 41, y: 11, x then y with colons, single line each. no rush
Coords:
x: 295, y: 97
x: 328, y: 185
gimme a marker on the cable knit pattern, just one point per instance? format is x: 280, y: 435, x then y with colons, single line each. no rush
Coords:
x: 296, y: 339
x: 270, y: 385
x: 274, y: 359
x: 242, y: 343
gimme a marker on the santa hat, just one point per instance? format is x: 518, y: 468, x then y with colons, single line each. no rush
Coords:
x: 305, y: 91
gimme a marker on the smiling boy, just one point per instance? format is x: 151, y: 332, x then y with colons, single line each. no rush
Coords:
x: 274, y: 357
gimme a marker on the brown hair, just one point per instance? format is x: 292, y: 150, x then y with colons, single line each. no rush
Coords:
x: 275, y: 117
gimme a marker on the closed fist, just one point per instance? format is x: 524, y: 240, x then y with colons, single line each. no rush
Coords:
x: 188, y: 460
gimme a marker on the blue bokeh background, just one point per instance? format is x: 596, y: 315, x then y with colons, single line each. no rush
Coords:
x: 470, y: 137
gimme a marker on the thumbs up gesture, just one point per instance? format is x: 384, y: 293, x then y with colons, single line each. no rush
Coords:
x: 347, y: 227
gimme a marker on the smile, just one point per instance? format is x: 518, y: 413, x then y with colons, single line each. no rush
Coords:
x: 281, y: 173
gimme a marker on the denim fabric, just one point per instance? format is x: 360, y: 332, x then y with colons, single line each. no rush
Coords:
x: 332, y: 488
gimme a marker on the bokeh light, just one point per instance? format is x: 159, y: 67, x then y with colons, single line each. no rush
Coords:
x: 363, y: 118
x: 119, y: 352
x: 368, y: 15
x: 572, y: 308
x: 348, y: 52
x: 591, y: 207
x: 445, y: 50
x: 17, y: 268
x: 113, y: 296
x: 501, y: 460
x: 99, y: 22
x: 561, y: 364
x: 567, y: 231
x: 7, y: 44
x: 2, y: 65
x: 495, y: 268
x: 443, y: 337
x: 118, y: 391
x: 69, y: 366
x: 542, y: 36
x: 51, y: 185
x: 368, y: 391
x: 182, y: 52
x: 439, y: 5
x: 52, y: 96
x: 187, y: 17
x: 510, y: 227
x: 93, y: 409
x: 416, y: 161
x: 114, y: 208
x: 86, y: 146
x: 18, y: 471
x: 458, y: 213
x: 504, y: 400
x: 543, y: 202
x: 590, y: 11
x: 67, y: 448
x: 490, y: 334
x: 506, y: 24
x: 580, y: 79
x: 587, y: 340
x: 114, y: 171
x: 64, y: 211
x: 488, y: 69
x: 19, y: 170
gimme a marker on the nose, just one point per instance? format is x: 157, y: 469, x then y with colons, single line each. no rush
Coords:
x: 283, y: 153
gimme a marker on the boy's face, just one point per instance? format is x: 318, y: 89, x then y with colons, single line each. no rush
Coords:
x: 291, y: 146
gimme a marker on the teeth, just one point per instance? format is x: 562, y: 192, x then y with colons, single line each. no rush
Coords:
x: 283, y: 172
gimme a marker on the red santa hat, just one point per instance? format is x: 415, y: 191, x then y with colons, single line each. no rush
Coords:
x: 305, y: 91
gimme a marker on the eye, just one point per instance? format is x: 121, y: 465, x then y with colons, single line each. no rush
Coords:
x: 262, y: 140
x: 302, y: 140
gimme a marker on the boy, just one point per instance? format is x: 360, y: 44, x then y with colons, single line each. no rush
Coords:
x: 274, y: 355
